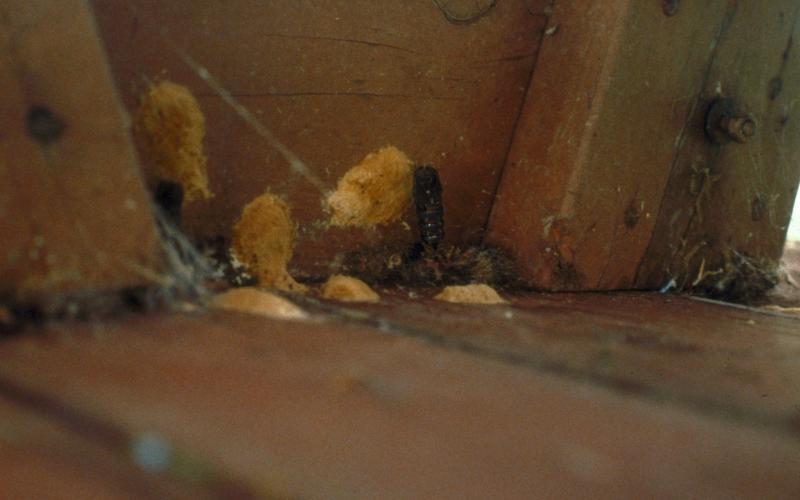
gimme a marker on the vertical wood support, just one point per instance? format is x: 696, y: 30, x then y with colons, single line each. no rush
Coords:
x: 612, y: 92
x: 73, y: 213
x: 613, y: 127
x: 731, y: 201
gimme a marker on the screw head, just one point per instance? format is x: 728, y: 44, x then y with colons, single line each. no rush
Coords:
x: 724, y: 123
x: 747, y: 127
x: 738, y: 128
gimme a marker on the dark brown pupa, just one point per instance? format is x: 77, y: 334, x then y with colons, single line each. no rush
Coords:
x: 428, y: 201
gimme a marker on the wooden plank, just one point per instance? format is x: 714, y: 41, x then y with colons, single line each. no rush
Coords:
x: 605, y: 114
x: 328, y: 409
x: 596, y: 139
x: 335, y: 80
x: 73, y: 214
x: 42, y: 457
x: 735, y: 197
x: 722, y: 360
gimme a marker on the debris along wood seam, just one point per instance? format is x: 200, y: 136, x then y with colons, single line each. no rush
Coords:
x: 722, y: 221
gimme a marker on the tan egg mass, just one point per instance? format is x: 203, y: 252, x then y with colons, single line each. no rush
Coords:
x: 254, y: 301
x: 374, y: 192
x: 263, y: 241
x: 348, y: 289
x: 470, y: 294
x: 171, y: 129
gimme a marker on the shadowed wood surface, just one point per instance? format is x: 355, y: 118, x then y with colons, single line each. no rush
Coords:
x: 44, y: 455
x: 723, y: 359
x: 335, y: 80
x: 574, y: 395
x: 735, y: 197
x: 73, y: 212
x: 611, y: 182
x: 402, y: 400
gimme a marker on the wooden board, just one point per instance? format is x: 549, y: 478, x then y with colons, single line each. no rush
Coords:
x: 382, y: 407
x: 604, y: 187
x: 335, y: 80
x: 73, y: 213
x: 79, y: 461
x: 735, y: 197
x: 722, y: 360
x: 606, y: 111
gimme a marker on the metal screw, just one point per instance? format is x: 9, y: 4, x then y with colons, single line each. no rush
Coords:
x: 725, y: 123
x: 670, y: 7
x: 739, y: 128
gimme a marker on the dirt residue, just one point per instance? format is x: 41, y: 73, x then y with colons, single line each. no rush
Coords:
x: 254, y: 301
x: 741, y: 278
x: 470, y: 294
x: 348, y: 289
x: 263, y: 240
x: 374, y: 192
x: 443, y: 266
x: 171, y: 129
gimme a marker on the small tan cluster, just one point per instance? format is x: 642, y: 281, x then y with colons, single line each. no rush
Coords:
x: 254, y: 301
x: 375, y: 192
x: 471, y: 294
x: 171, y: 129
x: 263, y: 240
x: 348, y: 289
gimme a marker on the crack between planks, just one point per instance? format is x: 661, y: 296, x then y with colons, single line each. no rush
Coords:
x: 515, y: 126
x: 341, y: 40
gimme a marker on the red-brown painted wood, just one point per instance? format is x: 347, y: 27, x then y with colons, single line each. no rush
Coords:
x: 334, y: 81
x: 73, y: 212
x: 607, y: 109
x: 404, y: 403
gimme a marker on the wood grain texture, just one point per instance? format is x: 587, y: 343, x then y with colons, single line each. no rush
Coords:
x: 43, y: 456
x: 727, y: 361
x: 735, y: 197
x: 605, y: 114
x: 378, y: 407
x: 335, y: 80
x: 73, y: 212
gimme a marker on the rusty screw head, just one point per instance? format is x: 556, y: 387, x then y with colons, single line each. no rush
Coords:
x: 739, y: 128
x: 725, y: 123
x: 670, y: 7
